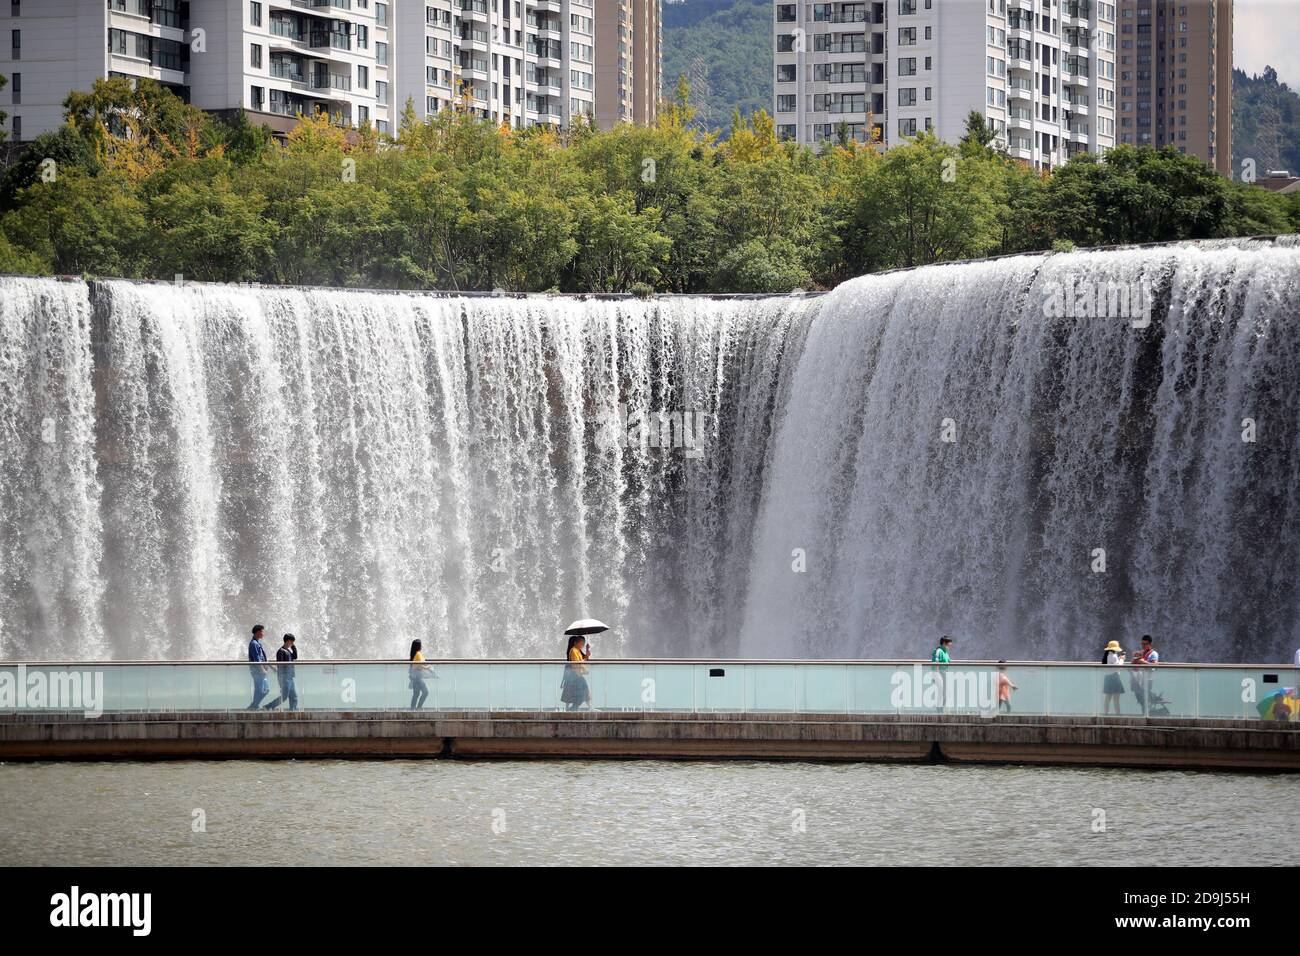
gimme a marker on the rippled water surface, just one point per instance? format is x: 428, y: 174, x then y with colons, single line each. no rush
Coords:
x: 639, y: 812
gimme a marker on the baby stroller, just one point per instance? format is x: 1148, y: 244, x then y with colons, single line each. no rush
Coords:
x: 1159, y: 704
x: 1148, y: 698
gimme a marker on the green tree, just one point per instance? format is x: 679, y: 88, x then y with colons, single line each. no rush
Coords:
x: 618, y: 246
x: 1137, y: 195
x: 69, y: 152
x: 82, y: 224
x: 935, y: 203
x: 211, y: 230
x: 978, y: 132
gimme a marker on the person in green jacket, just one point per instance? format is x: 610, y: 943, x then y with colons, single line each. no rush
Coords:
x: 939, y: 657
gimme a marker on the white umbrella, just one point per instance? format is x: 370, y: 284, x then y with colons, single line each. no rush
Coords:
x: 587, y: 625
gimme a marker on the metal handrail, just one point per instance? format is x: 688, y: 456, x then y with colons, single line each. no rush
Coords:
x: 784, y: 662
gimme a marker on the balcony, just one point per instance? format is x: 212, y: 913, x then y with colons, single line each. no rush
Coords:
x: 291, y: 72
x: 1076, y: 39
x: 322, y: 80
x: 288, y: 29
x: 321, y: 39
x: 1076, y: 9
x: 548, y: 51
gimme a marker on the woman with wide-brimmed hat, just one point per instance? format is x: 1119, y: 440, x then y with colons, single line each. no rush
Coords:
x: 1112, y: 687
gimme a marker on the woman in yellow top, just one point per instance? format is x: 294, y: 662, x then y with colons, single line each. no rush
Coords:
x: 419, y: 689
x: 574, y: 690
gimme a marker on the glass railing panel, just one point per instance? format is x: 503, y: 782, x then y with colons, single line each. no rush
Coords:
x: 1073, y: 691
x: 624, y: 687
x: 771, y: 687
x: 823, y: 688
x: 671, y: 688
x: 812, y: 687
x: 1162, y: 691
x: 1230, y: 692
x: 720, y: 686
x: 518, y: 687
x: 1028, y: 690
x: 871, y: 687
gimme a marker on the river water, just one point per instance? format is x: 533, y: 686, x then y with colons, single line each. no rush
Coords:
x: 445, y: 812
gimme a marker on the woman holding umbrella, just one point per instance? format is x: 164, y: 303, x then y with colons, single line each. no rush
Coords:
x: 574, y: 689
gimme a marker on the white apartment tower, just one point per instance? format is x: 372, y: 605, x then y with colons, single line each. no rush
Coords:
x: 1041, y: 71
x: 287, y: 58
x: 518, y: 62
x: 49, y: 48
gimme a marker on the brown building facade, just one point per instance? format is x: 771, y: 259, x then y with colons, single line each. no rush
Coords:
x: 628, y: 61
x: 1175, y: 77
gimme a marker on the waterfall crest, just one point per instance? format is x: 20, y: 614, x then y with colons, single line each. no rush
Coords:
x: 959, y: 448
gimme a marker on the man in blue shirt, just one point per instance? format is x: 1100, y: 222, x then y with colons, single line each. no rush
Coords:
x: 258, y: 667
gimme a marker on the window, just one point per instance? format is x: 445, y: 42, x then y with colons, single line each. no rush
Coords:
x: 381, y: 54
x: 363, y: 115
x: 255, y: 55
x: 255, y: 98
x: 785, y: 43
x: 381, y: 14
x: 363, y: 37
x: 786, y: 12
x: 16, y: 42
x: 363, y: 77
x: 906, y: 7
x: 786, y: 103
x: 907, y: 96
x: 907, y: 127
x: 255, y: 14
x: 16, y: 88
x: 927, y: 63
x: 381, y: 91
x: 907, y: 66
x: 18, y: 127
x: 907, y: 36
x: 785, y: 73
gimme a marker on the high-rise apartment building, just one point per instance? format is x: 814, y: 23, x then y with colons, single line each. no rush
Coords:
x: 628, y: 61
x: 50, y: 47
x: 279, y: 59
x: 1041, y: 71
x: 519, y: 62
x: 1175, y: 77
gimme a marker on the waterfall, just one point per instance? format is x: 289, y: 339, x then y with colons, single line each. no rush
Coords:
x: 967, y: 448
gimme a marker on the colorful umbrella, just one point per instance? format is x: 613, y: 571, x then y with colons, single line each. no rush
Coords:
x: 1268, y: 706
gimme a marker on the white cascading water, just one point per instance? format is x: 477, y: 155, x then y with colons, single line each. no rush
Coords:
x: 913, y: 453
